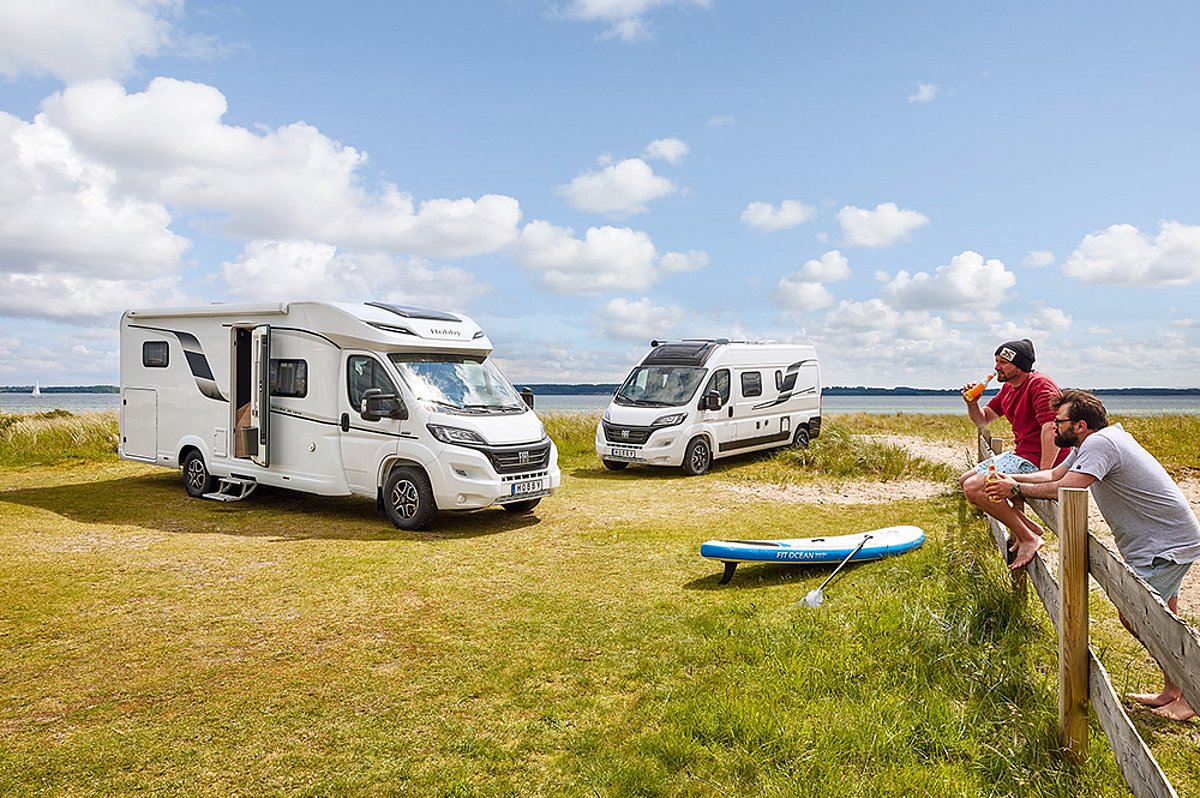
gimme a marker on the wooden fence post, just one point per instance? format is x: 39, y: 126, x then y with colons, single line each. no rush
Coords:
x: 1073, y: 622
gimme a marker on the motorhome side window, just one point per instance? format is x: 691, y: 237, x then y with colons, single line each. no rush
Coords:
x: 289, y: 378
x: 719, y: 382
x: 156, y: 354
x: 751, y: 383
x: 363, y: 372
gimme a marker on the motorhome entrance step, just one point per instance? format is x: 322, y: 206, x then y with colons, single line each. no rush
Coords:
x: 232, y: 489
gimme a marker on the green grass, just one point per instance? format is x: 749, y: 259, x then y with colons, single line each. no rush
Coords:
x: 54, y: 437
x: 297, y: 645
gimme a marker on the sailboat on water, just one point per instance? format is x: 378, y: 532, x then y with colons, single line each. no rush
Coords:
x: 37, y: 389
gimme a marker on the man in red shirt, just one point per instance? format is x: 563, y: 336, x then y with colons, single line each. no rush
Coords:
x: 1024, y: 399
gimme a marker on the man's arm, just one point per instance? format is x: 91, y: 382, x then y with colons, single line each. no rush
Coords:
x: 1049, y: 449
x: 981, y: 417
x: 1040, y: 484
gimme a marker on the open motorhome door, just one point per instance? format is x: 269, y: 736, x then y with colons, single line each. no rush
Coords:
x: 260, y: 396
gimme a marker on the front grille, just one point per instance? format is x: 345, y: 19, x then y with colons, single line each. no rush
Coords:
x: 616, y: 433
x: 513, y: 459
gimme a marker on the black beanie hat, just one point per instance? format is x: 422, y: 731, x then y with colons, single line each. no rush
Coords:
x: 1019, y: 353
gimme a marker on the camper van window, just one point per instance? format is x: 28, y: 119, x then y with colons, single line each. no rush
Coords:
x: 778, y: 380
x: 719, y: 382
x: 365, y: 372
x: 660, y: 386
x: 457, y: 383
x: 751, y: 383
x: 156, y: 354
x: 289, y: 378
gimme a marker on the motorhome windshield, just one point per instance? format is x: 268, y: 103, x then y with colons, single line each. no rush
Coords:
x: 458, y: 383
x: 660, y: 386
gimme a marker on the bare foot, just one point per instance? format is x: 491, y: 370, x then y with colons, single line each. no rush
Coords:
x: 1179, y: 709
x: 1025, y: 552
x: 1153, y: 699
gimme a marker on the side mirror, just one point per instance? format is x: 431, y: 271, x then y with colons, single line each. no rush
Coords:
x: 376, y: 405
x: 711, y: 401
x: 527, y: 396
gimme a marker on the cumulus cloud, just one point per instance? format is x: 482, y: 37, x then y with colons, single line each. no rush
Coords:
x: 641, y: 320
x: 882, y: 227
x: 925, y: 93
x: 606, y: 259
x: 626, y: 19
x: 673, y: 151
x: 168, y: 142
x: 622, y: 189
x: 794, y: 295
x: 282, y: 270
x: 829, y: 268
x: 766, y: 218
x: 1038, y: 259
x: 720, y: 120
x: 80, y: 39
x: 1124, y: 255
x: 967, y: 283
x: 1038, y: 324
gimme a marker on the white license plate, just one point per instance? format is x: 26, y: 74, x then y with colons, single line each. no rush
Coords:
x: 621, y: 453
x: 526, y: 488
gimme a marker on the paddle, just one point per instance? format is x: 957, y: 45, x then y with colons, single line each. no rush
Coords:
x: 817, y: 595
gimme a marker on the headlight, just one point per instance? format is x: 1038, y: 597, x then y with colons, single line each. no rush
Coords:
x: 605, y: 416
x: 670, y: 420
x: 456, y: 435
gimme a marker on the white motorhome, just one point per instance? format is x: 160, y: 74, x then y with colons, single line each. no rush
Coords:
x: 692, y: 401
x: 399, y: 404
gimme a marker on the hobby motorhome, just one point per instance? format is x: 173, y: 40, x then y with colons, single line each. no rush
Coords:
x: 692, y: 401
x: 396, y: 403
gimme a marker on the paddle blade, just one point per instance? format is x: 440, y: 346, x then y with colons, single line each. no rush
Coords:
x: 814, y: 597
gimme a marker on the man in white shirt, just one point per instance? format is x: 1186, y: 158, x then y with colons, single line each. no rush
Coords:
x: 1153, y: 525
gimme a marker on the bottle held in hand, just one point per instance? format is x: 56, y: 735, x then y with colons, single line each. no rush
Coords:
x: 992, y: 476
x: 975, y: 391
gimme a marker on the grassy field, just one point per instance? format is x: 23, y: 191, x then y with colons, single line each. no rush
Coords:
x: 294, y: 645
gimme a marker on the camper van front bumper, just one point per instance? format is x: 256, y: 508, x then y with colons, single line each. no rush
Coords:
x: 663, y: 446
x: 473, y: 478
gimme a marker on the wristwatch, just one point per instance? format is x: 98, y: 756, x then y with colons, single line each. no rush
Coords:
x: 1015, y: 490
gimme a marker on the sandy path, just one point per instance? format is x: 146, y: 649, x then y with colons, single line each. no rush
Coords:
x: 959, y: 456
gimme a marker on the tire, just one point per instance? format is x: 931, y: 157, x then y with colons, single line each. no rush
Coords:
x: 408, y: 498
x: 698, y: 457
x: 523, y: 506
x: 196, y: 479
x: 800, y: 439
x: 615, y: 465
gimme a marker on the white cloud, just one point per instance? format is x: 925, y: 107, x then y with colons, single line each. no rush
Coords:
x: 766, y: 218
x: 882, y: 227
x: 288, y: 270
x: 1040, y: 323
x: 606, y: 259
x: 795, y: 295
x: 673, y: 151
x: 169, y: 143
x: 80, y: 39
x: 967, y: 283
x: 625, y: 18
x: 621, y: 189
x: 830, y: 268
x: 720, y: 120
x: 926, y: 93
x: 623, y: 320
x: 1123, y: 255
x: 1038, y: 259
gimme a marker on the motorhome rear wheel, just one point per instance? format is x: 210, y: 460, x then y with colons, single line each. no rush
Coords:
x: 196, y: 479
x: 800, y: 441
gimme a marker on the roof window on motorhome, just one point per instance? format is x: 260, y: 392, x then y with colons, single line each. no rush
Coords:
x: 457, y: 383
x: 660, y: 386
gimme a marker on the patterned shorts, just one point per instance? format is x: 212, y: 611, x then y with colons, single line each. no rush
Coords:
x: 1007, y: 463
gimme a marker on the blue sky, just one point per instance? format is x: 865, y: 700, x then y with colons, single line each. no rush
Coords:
x: 905, y: 186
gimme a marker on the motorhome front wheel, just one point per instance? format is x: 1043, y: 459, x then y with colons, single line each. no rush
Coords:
x: 408, y: 498
x: 698, y: 457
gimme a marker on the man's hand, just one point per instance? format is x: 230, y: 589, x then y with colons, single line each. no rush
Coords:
x: 999, y: 488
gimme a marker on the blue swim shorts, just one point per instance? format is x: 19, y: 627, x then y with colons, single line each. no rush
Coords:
x: 1163, y: 575
x: 1007, y: 463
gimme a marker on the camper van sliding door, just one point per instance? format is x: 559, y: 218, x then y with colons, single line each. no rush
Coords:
x: 260, y: 396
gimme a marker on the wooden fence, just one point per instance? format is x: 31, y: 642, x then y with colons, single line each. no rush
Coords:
x: 1171, y: 641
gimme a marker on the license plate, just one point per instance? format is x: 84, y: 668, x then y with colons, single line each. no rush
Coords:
x: 526, y: 488
x: 621, y: 453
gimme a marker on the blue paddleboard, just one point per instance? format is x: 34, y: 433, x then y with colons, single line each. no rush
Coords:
x: 880, y: 543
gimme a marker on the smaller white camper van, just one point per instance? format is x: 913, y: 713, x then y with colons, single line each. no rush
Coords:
x: 400, y: 404
x: 690, y: 402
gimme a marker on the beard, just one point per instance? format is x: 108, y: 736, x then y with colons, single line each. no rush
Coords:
x: 1066, y: 440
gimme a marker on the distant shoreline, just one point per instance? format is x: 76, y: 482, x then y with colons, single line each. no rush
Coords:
x: 599, y: 389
